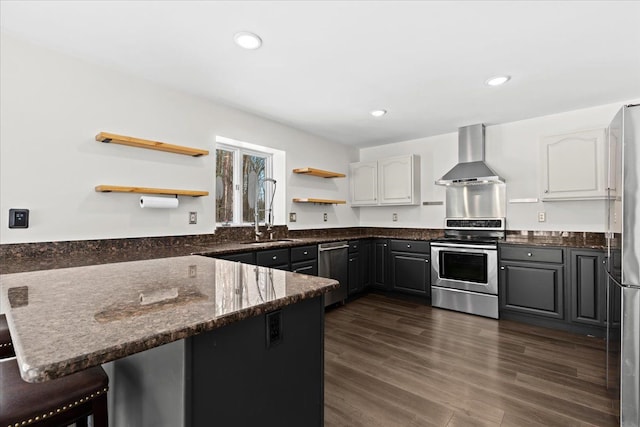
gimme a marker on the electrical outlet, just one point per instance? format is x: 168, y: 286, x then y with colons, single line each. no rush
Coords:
x: 274, y: 328
x: 193, y: 217
x: 325, y: 217
x: 18, y: 218
x: 193, y: 271
x: 292, y: 217
x: 542, y: 216
x: 394, y: 217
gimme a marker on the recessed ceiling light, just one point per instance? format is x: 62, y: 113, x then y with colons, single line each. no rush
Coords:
x: 497, y: 80
x: 247, y: 40
x: 378, y: 113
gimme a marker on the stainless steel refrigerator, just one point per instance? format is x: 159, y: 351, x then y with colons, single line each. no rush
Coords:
x: 623, y: 262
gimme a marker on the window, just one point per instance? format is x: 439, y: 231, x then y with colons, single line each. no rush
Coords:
x: 240, y: 184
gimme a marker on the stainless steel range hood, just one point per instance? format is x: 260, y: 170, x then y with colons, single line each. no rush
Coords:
x: 471, y: 168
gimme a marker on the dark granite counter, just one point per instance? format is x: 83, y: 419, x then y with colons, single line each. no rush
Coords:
x: 69, y: 319
x: 16, y: 258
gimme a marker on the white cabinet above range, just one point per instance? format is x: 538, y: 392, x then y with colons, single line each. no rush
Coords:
x: 385, y: 182
x: 573, y: 166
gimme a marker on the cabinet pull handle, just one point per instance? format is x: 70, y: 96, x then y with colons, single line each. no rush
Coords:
x: 385, y: 245
x: 426, y: 260
x: 275, y: 257
x: 350, y: 259
x: 502, y: 268
x: 529, y: 254
x: 306, y: 253
x: 408, y: 246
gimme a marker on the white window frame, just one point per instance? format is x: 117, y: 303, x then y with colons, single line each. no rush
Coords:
x: 240, y: 148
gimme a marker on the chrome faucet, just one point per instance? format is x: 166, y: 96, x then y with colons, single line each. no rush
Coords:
x: 268, y: 219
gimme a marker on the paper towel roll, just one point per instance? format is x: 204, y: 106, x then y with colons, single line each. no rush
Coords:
x: 148, y: 202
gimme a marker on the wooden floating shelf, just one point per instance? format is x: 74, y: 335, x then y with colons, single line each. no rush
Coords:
x: 319, y: 172
x: 146, y: 190
x: 320, y: 201
x: 152, y: 145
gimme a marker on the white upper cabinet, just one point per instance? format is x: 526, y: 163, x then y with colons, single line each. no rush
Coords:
x: 389, y: 181
x: 364, y: 183
x: 573, y: 166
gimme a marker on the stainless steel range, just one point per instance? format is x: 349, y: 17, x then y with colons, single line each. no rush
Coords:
x: 464, y: 266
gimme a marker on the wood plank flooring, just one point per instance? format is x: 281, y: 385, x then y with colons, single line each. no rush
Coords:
x: 394, y: 362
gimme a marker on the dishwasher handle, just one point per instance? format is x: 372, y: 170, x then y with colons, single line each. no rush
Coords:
x: 323, y: 248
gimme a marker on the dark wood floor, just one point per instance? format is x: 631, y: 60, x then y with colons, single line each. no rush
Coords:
x: 393, y: 362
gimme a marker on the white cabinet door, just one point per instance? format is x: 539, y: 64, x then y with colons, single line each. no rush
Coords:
x: 398, y: 180
x: 364, y: 183
x: 573, y: 166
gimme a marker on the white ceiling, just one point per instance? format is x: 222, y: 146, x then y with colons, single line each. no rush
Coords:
x: 325, y: 64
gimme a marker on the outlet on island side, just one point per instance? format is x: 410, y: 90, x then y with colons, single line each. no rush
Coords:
x: 542, y: 216
x: 394, y: 217
x: 325, y: 217
x: 293, y: 217
x: 274, y: 328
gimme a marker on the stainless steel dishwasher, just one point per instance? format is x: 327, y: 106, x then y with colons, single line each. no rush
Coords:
x: 333, y: 262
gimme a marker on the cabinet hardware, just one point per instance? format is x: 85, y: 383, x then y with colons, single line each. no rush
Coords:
x: 501, y: 268
x: 408, y: 246
x: 275, y: 257
x: 529, y: 254
x: 306, y: 253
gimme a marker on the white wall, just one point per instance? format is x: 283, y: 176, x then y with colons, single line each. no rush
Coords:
x: 512, y: 150
x: 53, y: 105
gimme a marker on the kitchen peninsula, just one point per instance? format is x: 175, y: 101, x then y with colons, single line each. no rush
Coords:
x: 189, y: 338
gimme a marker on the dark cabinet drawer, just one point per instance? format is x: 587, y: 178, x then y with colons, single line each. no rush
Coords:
x: 415, y: 246
x: 305, y: 267
x: 304, y: 253
x: 531, y: 254
x: 273, y: 258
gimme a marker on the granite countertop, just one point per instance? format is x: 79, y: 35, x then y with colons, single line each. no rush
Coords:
x: 54, y: 255
x: 66, y: 320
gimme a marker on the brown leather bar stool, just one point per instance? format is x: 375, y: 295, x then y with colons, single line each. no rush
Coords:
x: 6, y: 346
x: 60, y: 402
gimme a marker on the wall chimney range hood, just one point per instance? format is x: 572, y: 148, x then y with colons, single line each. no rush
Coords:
x: 471, y: 168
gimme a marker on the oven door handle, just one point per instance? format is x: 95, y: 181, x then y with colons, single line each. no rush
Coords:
x: 462, y: 245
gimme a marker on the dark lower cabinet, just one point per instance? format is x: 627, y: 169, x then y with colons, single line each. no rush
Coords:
x: 532, y: 288
x: 304, y: 259
x: 554, y: 287
x: 380, y: 264
x: 355, y: 273
x: 365, y: 263
x: 587, y: 287
x: 359, y: 265
x: 411, y: 273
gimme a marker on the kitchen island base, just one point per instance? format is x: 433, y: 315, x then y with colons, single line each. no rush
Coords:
x: 228, y: 376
